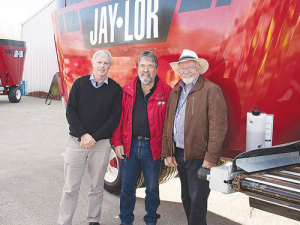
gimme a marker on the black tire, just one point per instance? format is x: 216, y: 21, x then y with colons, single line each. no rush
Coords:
x: 141, y: 181
x: 113, y: 179
x: 223, y: 161
x: 166, y: 174
x: 14, y: 94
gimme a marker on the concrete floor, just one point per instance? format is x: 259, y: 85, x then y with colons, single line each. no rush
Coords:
x: 32, y: 144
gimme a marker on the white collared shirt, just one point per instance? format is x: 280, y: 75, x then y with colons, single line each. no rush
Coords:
x: 94, y: 82
x: 178, y: 127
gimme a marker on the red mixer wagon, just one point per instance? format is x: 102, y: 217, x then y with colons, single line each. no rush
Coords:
x: 12, y: 57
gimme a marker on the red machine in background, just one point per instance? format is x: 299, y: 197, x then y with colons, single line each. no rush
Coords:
x: 252, y: 47
x: 12, y: 58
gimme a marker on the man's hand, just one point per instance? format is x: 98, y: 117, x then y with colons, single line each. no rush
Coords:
x: 120, y: 151
x: 207, y: 164
x: 87, y: 141
x: 171, y: 161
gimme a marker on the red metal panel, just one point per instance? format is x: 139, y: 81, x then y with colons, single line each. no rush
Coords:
x: 252, y: 47
x: 12, y: 57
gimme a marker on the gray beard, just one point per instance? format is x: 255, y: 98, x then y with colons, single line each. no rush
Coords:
x: 145, y: 80
x: 187, y: 80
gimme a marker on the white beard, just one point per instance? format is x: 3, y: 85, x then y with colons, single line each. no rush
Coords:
x: 187, y: 80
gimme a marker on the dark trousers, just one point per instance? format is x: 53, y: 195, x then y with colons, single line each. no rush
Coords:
x: 194, y: 192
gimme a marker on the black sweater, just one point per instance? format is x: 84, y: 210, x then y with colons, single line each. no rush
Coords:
x: 95, y: 111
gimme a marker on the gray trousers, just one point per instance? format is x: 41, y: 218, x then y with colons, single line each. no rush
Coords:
x: 75, y: 160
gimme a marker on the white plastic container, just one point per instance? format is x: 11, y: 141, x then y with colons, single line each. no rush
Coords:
x: 256, y: 130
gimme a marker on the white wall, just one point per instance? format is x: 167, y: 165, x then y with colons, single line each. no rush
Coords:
x: 41, y: 61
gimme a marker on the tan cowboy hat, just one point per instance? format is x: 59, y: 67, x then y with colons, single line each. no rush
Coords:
x: 190, y: 55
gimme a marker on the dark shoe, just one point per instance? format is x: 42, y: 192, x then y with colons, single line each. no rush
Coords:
x: 94, y: 223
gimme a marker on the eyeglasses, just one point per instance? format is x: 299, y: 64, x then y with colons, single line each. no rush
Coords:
x: 149, y: 67
x: 182, y: 69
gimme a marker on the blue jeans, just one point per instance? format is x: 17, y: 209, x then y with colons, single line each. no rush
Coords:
x: 194, y: 191
x: 140, y: 159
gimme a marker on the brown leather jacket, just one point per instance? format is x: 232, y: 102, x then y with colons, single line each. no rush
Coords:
x: 205, y: 122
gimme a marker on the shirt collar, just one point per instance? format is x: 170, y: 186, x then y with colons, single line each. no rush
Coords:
x: 95, y: 84
x: 181, y: 83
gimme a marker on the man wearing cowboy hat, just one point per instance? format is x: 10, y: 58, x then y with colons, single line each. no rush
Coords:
x: 194, y: 130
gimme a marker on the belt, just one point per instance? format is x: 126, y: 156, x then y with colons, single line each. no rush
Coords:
x: 141, y: 138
